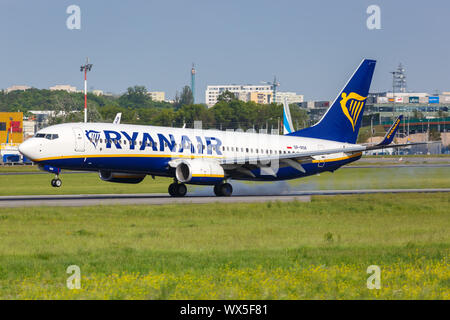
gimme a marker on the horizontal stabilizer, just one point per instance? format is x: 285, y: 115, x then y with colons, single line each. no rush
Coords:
x: 389, y: 137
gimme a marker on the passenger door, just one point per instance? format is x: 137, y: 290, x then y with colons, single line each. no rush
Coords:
x: 79, y: 139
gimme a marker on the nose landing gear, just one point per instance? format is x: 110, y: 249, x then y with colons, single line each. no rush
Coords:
x: 56, y: 183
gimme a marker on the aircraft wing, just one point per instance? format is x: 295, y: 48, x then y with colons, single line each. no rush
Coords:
x: 295, y: 159
x: 294, y: 155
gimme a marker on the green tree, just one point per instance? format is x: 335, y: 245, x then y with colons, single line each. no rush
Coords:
x: 187, y: 114
x: 226, y: 96
x: 185, y: 98
x: 434, y: 135
x: 135, y: 97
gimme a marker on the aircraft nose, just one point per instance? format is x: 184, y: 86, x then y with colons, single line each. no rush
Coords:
x: 29, y: 148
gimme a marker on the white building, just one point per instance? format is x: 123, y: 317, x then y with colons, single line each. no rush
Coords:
x: 247, y: 93
x: 157, y: 95
x: 291, y: 97
x: 63, y: 87
x: 29, y: 128
x: 16, y: 88
x: 242, y: 92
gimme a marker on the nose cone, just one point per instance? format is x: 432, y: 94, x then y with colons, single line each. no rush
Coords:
x: 29, y: 148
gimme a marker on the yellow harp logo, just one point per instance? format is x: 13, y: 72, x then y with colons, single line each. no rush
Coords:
x: 352, y: 105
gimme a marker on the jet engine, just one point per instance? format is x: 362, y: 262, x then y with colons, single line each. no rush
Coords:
x: 199, y: 171
x: 121, y: 177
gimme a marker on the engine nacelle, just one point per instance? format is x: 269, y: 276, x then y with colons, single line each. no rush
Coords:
x: 199, y: 171
x: 121, y: 177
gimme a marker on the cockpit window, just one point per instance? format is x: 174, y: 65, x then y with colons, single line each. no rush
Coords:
x: 48, y: 136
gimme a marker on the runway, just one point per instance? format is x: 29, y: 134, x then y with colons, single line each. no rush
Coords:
x: 359, y: 166
x: 78, y: 200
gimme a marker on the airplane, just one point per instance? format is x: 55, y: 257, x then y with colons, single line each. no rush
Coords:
x: 124, y: 153
x: 287, y: 120
x: 117, y: 118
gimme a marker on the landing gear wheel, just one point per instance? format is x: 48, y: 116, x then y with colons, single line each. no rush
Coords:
x: 177, y: 190
x: 216, y: 190
x: 181, y: 190
x: 172, y: 189
x: 56, y: 183
x: 223, y: 190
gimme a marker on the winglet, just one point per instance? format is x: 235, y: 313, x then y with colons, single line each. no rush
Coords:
x: 389, y: 137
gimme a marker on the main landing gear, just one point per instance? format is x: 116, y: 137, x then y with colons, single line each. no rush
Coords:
x: 56, y: 183
x: 223, y: 190
x: 177, y: 189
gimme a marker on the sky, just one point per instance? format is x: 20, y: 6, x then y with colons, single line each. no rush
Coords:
x: 311, y: 46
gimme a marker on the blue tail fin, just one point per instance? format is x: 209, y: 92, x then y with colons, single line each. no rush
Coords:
x: 342, y: 120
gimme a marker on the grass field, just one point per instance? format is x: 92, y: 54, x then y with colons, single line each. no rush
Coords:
x: 361, y: 178
x: 269, y: 250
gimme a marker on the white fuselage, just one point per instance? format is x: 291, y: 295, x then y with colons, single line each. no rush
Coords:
x: 148, y: 149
